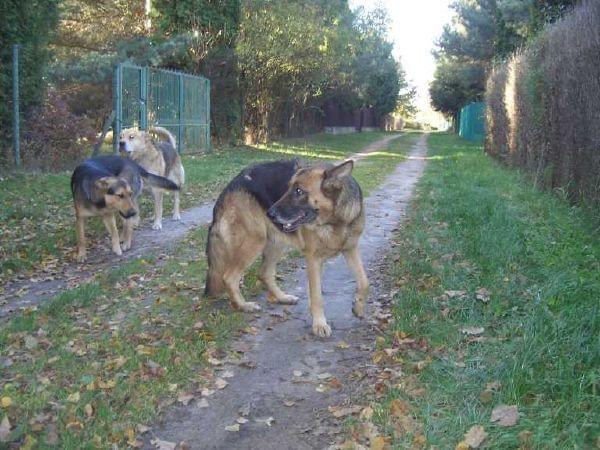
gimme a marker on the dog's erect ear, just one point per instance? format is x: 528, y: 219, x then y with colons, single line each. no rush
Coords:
x: 341, y: 170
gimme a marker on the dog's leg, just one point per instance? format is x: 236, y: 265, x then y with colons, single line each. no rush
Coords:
x: 319, y: 323
x: 271, y: 254
x: 158, y: 198
x: 176, y: 213
x: 80, y: 227
x: 233, y: 275
x: 362, y: 283
x: 128, y: 225
x: 111, y: 227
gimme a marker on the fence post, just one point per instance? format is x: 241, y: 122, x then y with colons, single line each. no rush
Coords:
x: 180, y: 129
x: 144, y: 98
x: 117, y: 85
x: 207, y: 137
x: 15, y: 80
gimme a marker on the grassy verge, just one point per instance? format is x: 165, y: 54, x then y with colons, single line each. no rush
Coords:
x: 93, y: 366
x: 529, y: 339
x: 36, y: 220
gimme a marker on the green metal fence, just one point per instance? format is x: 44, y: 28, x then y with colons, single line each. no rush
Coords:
x: 472, y: 122
x: 179, y: 102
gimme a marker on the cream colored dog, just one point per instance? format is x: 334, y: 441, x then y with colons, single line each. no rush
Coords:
x: 160, y: 158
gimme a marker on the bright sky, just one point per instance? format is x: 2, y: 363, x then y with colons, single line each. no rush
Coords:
x: 415, y: 25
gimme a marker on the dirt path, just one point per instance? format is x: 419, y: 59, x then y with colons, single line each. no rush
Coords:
x: 295, y: 376
x: 22, y: 294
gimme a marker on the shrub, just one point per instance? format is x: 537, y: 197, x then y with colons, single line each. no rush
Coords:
x: 55, y: 138
x: 543, y: 106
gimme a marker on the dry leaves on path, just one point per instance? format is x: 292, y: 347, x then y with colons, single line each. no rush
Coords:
x: 505, y: 415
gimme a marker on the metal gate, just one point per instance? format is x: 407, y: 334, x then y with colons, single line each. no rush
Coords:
x: 177, y: 101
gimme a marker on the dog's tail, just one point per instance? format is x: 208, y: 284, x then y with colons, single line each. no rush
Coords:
x: 164, y: 133
x: 216, y: 268
x: 158, y: 181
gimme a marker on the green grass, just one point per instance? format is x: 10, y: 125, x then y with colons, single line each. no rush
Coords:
x: 97, y: 344
x: 36, y: 219
x: 477, y: 224
x: 125, y: 345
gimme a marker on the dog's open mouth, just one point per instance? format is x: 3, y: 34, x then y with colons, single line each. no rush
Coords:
x: 128, y: 215
x: 290, y: 225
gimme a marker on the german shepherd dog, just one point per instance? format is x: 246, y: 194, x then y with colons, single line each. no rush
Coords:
x: 160, y: 158
x: 317, y: 209
x: 104, y: 185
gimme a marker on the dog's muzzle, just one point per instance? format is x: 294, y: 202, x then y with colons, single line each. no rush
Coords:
x: 123, y: 147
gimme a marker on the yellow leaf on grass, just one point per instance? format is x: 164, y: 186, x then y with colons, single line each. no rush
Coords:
x: 475, y: 436
x: 505, y: 415
x: 378, y: 443
x: 6, y: 402
x: 74, y: 397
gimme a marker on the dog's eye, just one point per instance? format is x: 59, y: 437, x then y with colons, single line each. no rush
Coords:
x: 121, y: 196
x: 131, y: 137
x: 299, y: 192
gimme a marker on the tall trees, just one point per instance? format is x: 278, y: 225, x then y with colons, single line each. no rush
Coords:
x: 482, y: 31
x: 296, y: 55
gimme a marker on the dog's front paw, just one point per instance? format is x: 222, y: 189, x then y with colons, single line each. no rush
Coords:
x: 80, y: 257
x: 176, y: 216
x: 286, y: 299
x: 321, y: 329
x: 358, y: 309
x: 248, y: 307
x: 157, y: 226
x: 117, y: 250
x: 125, y: 246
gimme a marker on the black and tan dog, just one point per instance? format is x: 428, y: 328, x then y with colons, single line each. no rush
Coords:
x: 317, y: 209
x: 160, y: 158
x: 105, y: 185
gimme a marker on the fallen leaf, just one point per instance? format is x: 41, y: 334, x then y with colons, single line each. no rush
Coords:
x: 342, y: 411
x: 366, y: 413
x: 220, y: 383
x: 185, y: 398
x: 377, y: 443
x: 203, y: 403
x: 163, y: 445
x: 215, y: 361
x: 198, y: 325
x: 6, y: 402
x: 234, y: 427
x: 462, y: 445
x: 475, y: 436
x: 241, y: 420
x: 74, y: 397
x: 207, y: 392
x: 89, y: 411
x: 505, y: 415
x: 399, y: 408
x: 483, y: 295
x: 472, y: 331
x: 324, y: 376
x: 227, y: 374
x: 289, y: 403
x: 343, y: 345
x: 297, y: 373
x: 453, y: 294
x: 4, y: 429
x: 334, y: 383
x: 30, y: 342
x: 142, y: 429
